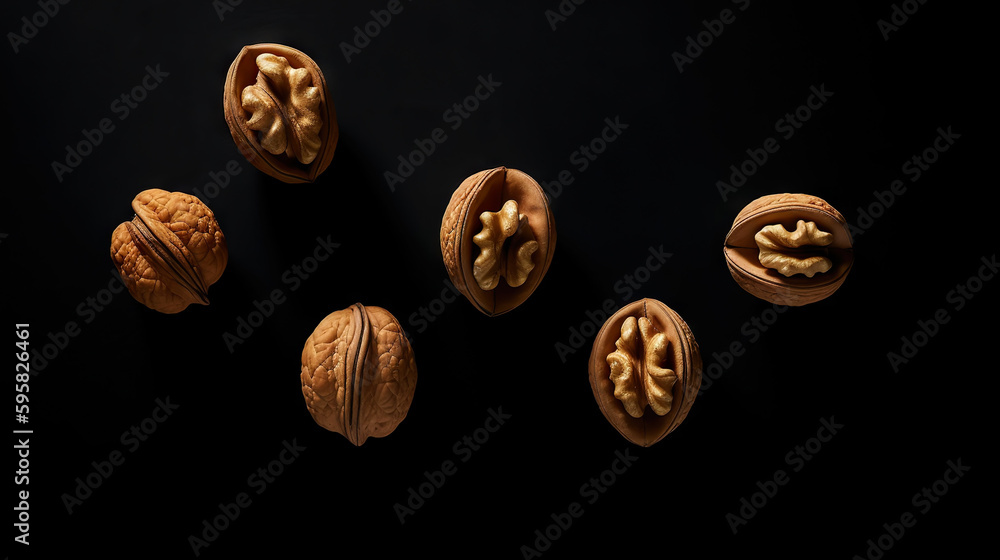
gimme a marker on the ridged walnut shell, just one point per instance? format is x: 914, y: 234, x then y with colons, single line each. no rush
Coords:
x: 171, y: 251
x: 654, y: 397
x: 498, y: 236
x: 358, y: 373
x: 243, y: 73
x: 788, y: 210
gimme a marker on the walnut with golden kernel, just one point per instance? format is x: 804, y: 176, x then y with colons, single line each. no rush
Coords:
x: 358, y: 373
x: 789, y: 249
x: 280, y: 113
x: 645, y: 371
x: 498, y: 236
x: 171, y: 251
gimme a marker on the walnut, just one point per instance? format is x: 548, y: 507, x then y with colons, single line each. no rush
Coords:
x: 171, y: 251
x: 280, y: 113
x: 358, y: 373
x: 789, y: 249
x: 498, y: 236
x: 645, y: 371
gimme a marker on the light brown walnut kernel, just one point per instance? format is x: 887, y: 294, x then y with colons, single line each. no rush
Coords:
x: 285, y: 109
x: 506, y: 246
x: 794, y: 252
x: 636, y: 368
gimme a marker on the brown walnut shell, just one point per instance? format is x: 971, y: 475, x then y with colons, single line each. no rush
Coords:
x: 292, y: 105
x: 645, y: 371
x: 498, y: 236
x: 171, y: 251
x: 797, y: 218
x: 358, y: 373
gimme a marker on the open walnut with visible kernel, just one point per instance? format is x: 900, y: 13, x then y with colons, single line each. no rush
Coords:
x: 497, y: 238
x: 645, y: 371
x: 280, y: 113
x: 789, y: 249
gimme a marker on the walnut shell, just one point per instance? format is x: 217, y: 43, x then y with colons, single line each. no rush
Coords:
x: 279, y: 112
x: 171, y: 251
x: 498, y: 224
x: 645, y: 371
x: 358, y: 373
x: 789, y: 249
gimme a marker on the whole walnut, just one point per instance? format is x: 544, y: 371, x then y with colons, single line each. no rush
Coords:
x: 358, y: 373
x: 171, y: 251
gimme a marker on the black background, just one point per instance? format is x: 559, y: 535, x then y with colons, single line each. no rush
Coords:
x: 654, y: 186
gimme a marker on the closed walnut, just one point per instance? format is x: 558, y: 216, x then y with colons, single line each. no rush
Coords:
x: 789, y: 249
x: 645, y: 371
x: 497, y: 238
x: 171, y: 251
x: 280, y: 113
x: 358, y: 373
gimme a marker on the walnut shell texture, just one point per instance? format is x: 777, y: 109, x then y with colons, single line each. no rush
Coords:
x: 523, y: 257
x: 743, y: 252
x: 276, y: 100
x: 665, y: 358
x: 171, y: 251
x: 358, y: 373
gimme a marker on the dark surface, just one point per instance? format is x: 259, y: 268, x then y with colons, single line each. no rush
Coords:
x: 654, y: 186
